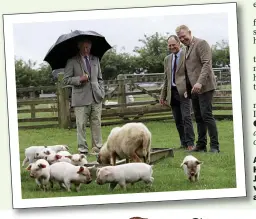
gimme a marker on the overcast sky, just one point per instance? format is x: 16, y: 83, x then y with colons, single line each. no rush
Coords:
x: 33, y: 40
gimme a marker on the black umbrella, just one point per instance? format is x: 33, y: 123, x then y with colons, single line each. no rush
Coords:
x: 66, y: 47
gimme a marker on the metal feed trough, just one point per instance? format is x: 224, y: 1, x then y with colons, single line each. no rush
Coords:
x: 156, y: 155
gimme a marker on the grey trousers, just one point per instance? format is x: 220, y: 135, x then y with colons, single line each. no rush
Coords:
x: 202, y: 105
x: 181, y: 109
x: 92, y: 113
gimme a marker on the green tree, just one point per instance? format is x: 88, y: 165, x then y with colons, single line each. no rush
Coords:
x: 151, y: 54
x: 220, y: 54
x: 114, y: 63
x: 25, y: 73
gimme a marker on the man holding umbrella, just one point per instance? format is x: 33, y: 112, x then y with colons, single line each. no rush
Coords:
x: 84, y: 73
x: 79, y: 53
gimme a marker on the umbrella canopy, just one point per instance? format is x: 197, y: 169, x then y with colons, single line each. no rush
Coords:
x: 66, y: 47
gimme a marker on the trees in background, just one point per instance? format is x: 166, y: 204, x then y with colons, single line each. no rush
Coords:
x: 149, y: 56
x: 27, y: 75
x: 220, y: 54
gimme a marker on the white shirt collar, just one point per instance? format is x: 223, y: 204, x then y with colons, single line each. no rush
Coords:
x: 178, y: 53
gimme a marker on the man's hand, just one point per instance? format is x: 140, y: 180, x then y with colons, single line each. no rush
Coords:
x: 84, y: 78
x: 186, y: 94
x: 197, y: 88
x: 163, y: 102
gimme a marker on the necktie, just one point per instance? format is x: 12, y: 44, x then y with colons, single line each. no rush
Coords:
x: 187, y: 49
x: 174, y: 68
x: 88, y: 64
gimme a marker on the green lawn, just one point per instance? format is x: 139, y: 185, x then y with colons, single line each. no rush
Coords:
x: 218, y: 170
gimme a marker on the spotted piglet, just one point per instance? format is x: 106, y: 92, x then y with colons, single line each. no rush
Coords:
x: 191, y: 166
x: 40, y: 171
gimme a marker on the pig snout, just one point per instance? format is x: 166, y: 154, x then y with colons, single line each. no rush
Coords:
x: 32, y: 175
x: 99, y: 182
x: 89, y: 181
x: 192, y: 173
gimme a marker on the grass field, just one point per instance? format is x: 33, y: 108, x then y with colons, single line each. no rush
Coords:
x: 218, y: 170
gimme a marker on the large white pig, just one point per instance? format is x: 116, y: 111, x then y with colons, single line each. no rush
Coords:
x: 40, y: 171
x: 103, y: 156
x: 124, y: 173
x: 65, y: 174
x: 132, y: 141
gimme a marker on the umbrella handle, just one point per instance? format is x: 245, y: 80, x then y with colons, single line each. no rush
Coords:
x: 88, y: 76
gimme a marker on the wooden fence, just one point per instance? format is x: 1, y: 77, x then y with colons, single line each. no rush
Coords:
x: 35, y: 112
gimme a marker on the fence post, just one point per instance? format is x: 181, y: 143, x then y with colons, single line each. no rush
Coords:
x: 63, y: 104
x: 121, y: 89
x: 33, y: 113
x: 32, y: 93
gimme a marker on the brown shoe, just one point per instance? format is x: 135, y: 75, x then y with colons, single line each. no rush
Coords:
x: 190, y: 148
x: 197, y: 149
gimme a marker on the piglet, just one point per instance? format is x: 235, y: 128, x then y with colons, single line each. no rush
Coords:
x: 191, y: 166
x: 53, y: 149
x: 65, y: 174
x: 30, y: 154
x: 124, y: 173
x: 40, y: 171
x: 78, y: 159
x: 57, y: 157
x: 59, y: 147
x: 63, y: 159
x: 44, y: 153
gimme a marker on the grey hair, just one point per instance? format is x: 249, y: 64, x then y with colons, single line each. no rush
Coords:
x: 175, y: 37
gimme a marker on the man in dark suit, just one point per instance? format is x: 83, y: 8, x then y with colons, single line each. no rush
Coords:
x: 173, y: 91
x: 201, y: 84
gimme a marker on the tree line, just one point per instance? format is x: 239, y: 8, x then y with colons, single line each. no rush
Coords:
x: 147, y: 58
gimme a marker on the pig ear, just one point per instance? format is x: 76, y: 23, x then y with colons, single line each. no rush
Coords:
x: 82, y: 156
x: 97, y: 171
x: 29, y: 167
x: 90, y: 168
x: 107, y: 172
x: 41, y: 165
x: 69, y: 156
x: 81, y: 169
x: 57, y: 156
x: 199, y: 162
x: 184, y: 163
x: 67, y: 147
